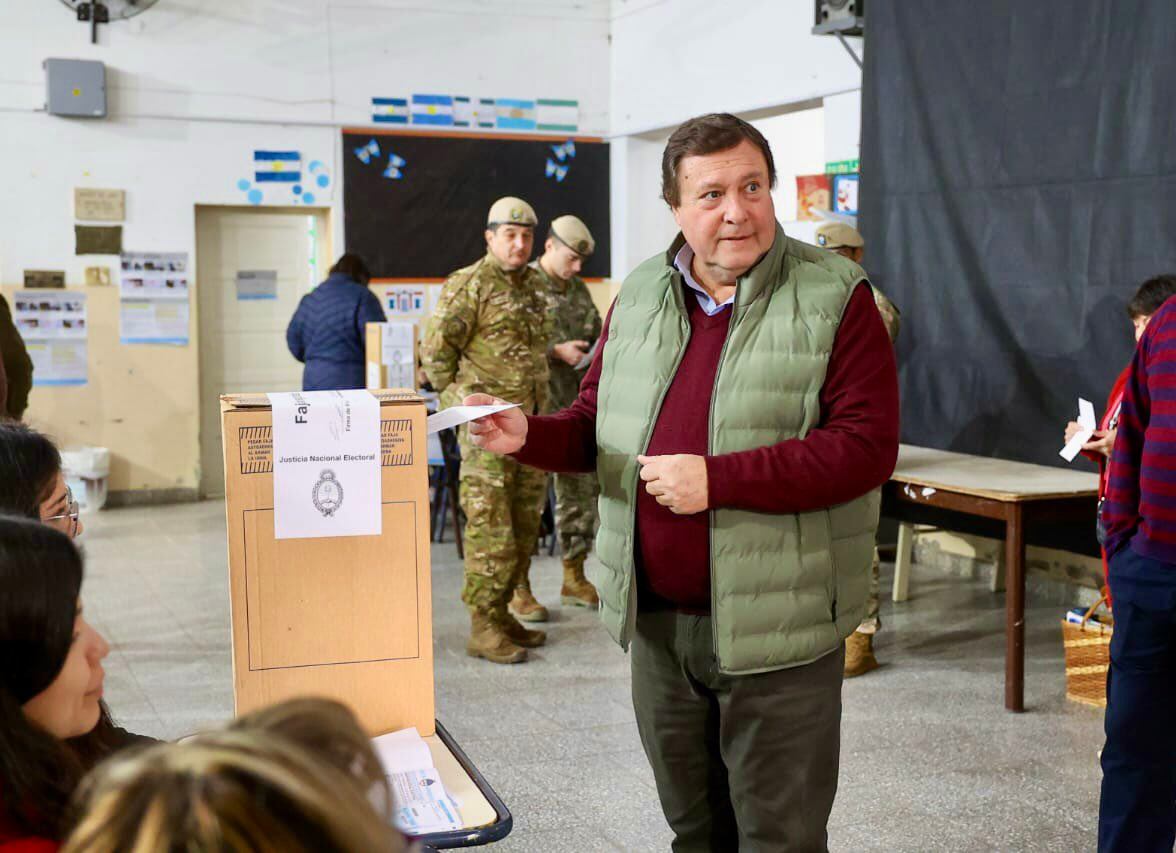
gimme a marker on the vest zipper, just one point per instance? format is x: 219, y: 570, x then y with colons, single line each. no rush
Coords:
x: 632, y: 606
x: 710, y: 432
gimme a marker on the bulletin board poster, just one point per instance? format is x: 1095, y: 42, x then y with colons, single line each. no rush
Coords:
x: 53, y: 326
x: 154, y: 298
x: 845, y: 194
x: 813, y: 193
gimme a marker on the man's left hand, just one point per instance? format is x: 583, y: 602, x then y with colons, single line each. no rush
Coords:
x: 677, y: 482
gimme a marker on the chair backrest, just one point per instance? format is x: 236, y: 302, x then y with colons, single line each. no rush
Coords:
x: 451, y: 451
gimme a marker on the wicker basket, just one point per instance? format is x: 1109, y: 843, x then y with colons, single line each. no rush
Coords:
x: 1088, y: 656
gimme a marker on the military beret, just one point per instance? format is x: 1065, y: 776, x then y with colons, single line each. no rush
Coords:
x: 574, y: 234
x: 834, y: 235
x: 511, y: 211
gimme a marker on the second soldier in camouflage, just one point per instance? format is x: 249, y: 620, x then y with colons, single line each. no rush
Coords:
x: 576, y: 327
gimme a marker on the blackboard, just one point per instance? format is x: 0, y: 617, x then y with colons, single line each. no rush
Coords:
x: 430, y: 220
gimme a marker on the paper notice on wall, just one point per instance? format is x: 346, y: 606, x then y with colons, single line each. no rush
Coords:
x: 95, y: 205
x: 326, y: 464
x: 1089, y: 424
x: 253, y: 285
x: 154, y: 275
x: 53, y: 326
x: 398, y: 354
x: 153, y: 321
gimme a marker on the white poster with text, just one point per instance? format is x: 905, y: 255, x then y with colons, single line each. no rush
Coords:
x: 326, y: 464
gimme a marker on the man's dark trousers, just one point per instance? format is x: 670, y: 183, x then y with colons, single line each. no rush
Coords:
x: 742, y: 763
x: 1137, y: 812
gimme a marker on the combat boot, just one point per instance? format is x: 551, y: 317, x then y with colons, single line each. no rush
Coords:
x: 521, y: 635
x: 577, y: 590
x: 525, y: 606
x: 859, y: 654
x: 489, y: 641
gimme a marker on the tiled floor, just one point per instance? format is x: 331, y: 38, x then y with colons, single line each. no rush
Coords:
x: 930, y: 759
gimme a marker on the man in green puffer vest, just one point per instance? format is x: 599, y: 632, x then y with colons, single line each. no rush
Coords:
x: 740, y: 414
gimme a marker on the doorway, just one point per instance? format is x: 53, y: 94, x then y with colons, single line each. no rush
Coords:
x: 243, y: 318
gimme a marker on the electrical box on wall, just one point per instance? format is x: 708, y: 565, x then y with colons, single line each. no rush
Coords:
x: 75, y: 87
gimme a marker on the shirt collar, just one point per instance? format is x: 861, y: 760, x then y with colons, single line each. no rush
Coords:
x: 682, y: 263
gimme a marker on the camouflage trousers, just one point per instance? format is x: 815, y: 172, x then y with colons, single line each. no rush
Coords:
x: 502, y: 501
x: 575, y: 513
x: 872, y: 623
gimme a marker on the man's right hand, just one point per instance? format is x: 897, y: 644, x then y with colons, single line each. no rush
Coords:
x: 570, y: 352
x: 505, y: 432
x: 1072, y: 429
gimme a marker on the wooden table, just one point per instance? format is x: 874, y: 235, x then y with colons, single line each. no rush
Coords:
x: 962, y: 492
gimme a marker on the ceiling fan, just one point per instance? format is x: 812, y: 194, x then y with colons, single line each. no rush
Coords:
x: 104, y: 11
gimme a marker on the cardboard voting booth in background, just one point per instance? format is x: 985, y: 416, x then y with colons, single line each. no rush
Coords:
x: 350, y: 617
x: 391, y: 354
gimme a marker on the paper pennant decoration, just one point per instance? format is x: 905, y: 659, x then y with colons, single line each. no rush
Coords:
x: 365, y: 153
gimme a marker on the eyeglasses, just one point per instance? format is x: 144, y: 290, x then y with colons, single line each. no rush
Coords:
x: 71, y: 512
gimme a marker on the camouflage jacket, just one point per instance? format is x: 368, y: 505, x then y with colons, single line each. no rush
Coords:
x: 891, y: 316
x: 489, y: 334
x: 573, y: 318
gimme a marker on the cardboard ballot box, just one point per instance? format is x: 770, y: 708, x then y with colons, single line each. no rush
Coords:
x: 347, y: 617
x: 391, y: 353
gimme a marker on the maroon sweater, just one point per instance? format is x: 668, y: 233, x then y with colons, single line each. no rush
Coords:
x: 851, y: 451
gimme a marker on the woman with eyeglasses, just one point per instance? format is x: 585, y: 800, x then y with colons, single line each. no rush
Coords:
x: 39, y: 583
x: 32, y: 483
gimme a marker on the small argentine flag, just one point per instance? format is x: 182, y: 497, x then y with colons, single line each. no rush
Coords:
x: 558, y: 115
x: 432, y: 109
x: 277, y: 166
x: 514, y: 114
x: 390, y: 110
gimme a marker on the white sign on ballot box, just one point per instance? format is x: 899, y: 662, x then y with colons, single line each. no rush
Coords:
x: 326, y: 464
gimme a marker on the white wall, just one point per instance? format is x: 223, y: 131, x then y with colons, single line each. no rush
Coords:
x: 196, y: 85
x: 673, y: 59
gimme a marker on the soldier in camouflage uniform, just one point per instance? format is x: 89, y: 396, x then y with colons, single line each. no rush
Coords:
x: 489, y: 334
x: 575, y: 328
x: 859, y: 648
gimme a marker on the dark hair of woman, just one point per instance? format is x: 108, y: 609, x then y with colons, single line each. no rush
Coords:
x: 352, y: 266
x: 1152, y: 294
x: 29, y: 465
x: 40, y: 578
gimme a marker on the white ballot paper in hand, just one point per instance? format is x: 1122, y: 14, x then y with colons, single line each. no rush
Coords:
x: 457, y: 415
x: 1089, y: 425
x: 421, y: 803
x: 326, y: 464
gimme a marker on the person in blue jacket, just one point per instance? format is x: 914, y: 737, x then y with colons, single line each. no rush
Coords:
x: 326, y: 333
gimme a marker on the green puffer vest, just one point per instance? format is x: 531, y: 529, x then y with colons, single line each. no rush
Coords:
x: 785, y: 589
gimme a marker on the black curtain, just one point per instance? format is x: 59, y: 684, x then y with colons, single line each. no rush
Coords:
x: 1018, y: 184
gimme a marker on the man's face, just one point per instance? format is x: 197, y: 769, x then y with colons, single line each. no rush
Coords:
x: 854, y: 253
x: 725, y: 210
x: 561, y: 260
x: 511, y: 245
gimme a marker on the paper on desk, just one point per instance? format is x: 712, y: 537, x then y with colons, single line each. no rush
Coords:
x: 402, y: 750
x: 457, y: 415
x: 1089, y: 425
x: 422, y: 804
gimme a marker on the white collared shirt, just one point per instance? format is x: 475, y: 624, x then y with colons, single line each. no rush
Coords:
x: 682, y: 262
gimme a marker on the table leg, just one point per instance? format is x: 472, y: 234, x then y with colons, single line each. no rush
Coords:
x: 902, y: 562
x: 1015, y: 608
